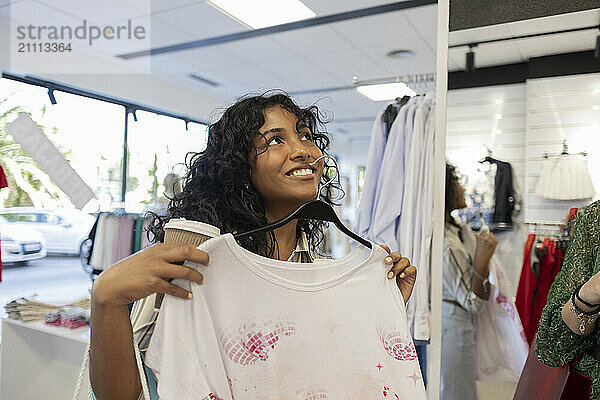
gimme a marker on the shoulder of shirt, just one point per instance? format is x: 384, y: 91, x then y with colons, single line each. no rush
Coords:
x: 451, y: 238
x: 593, y: 210
x: 450, y: 228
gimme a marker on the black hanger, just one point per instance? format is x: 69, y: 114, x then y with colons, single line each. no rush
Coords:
x: 489, y: 157
x: 313, y: 209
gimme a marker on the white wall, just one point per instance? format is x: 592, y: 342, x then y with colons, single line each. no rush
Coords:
x: 563, y: 108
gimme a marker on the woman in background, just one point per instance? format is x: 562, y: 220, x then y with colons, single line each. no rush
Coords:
x: 465, y: 291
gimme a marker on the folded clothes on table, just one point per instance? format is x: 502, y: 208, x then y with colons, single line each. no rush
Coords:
x: 27, y: 309
x: 69, y: 317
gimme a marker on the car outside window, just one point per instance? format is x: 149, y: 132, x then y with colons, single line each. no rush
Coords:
x: 53, y: 219
x: 18, y: 217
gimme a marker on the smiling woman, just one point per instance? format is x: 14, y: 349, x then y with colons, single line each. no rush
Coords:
x: 255, y: 170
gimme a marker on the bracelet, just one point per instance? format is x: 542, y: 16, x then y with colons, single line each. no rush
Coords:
x: 581, y: 300
x: 481, y: 278
x: 586, y: 317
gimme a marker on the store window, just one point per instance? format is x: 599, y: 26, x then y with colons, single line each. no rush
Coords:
x: 88, y: 132
x: 157, y: 147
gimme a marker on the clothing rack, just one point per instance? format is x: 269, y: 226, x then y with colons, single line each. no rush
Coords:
x: 545, y: 223
x: 417, y: 79
x: 115, y: 236
x: 556, y: 230
x: 565, y: 152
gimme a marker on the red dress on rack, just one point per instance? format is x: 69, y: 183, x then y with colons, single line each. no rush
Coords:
x: 3, y: 184
x: 546, y: 276
x: 525, y: 291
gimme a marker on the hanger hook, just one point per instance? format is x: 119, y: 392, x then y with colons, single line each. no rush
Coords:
x: 337, y: 171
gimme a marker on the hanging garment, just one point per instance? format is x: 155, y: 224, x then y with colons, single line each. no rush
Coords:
x: 526, y: 290
x: 416, y: 225
x: 549, y: 267
x: 504, y: 197
x: 387, y: 205
x: 376, y: 150
x: 392, y: 217
x: 391, y: 111
x: 566, y: 177
x: 263, y: 328
x: 115, y: 236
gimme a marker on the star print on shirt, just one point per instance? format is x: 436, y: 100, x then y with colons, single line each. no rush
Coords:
x: 379, y: 366
x: 414, y: 377
x: 331, y: 326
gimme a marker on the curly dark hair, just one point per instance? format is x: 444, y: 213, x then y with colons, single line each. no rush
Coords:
x: 217, y: 189
x: 452, y: 182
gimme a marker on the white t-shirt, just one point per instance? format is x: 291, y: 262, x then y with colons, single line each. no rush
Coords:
x: 259, y: 328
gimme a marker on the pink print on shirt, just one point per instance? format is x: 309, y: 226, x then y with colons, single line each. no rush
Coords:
x: 386, y: 392
x: 312, y: 392
x: 398, y: 345
x: 211, y: 396
x: 253, y: 341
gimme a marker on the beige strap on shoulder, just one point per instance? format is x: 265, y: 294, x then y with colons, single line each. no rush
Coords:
x: 144, y: 395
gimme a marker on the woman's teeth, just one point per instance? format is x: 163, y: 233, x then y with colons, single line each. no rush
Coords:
x: 302, y: 172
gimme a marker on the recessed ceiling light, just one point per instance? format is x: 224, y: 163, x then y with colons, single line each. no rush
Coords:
x: 498, y: 116
x: 385, y: 91
x: 262, y: 13
x: 400, y: 53
x: 499, y: 101
x: 596, y: 107
x: 597, y: 91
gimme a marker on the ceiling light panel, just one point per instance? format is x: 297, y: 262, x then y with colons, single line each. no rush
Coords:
x: 385, y: 91
x: 262, y: 13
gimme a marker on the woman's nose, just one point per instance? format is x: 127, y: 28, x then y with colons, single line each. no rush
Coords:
x: 301, y: 151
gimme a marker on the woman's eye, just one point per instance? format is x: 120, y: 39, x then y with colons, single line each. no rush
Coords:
x: 307, y: 135
x: 275, y: 140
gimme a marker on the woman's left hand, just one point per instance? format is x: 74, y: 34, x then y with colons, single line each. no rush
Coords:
x: 405, y: 274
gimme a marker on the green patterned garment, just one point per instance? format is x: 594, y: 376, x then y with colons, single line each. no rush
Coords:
x: 556, y: 344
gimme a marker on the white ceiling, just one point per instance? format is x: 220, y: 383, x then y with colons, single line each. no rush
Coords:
x: 311, y: 58
x: 307, y: 59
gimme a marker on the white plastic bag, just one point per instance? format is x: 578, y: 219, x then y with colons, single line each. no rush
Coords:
x: 501, y: 343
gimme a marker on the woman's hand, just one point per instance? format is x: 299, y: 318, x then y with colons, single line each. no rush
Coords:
x: 146, y: 272
x: 405, y: 274
x: 486, y: 245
